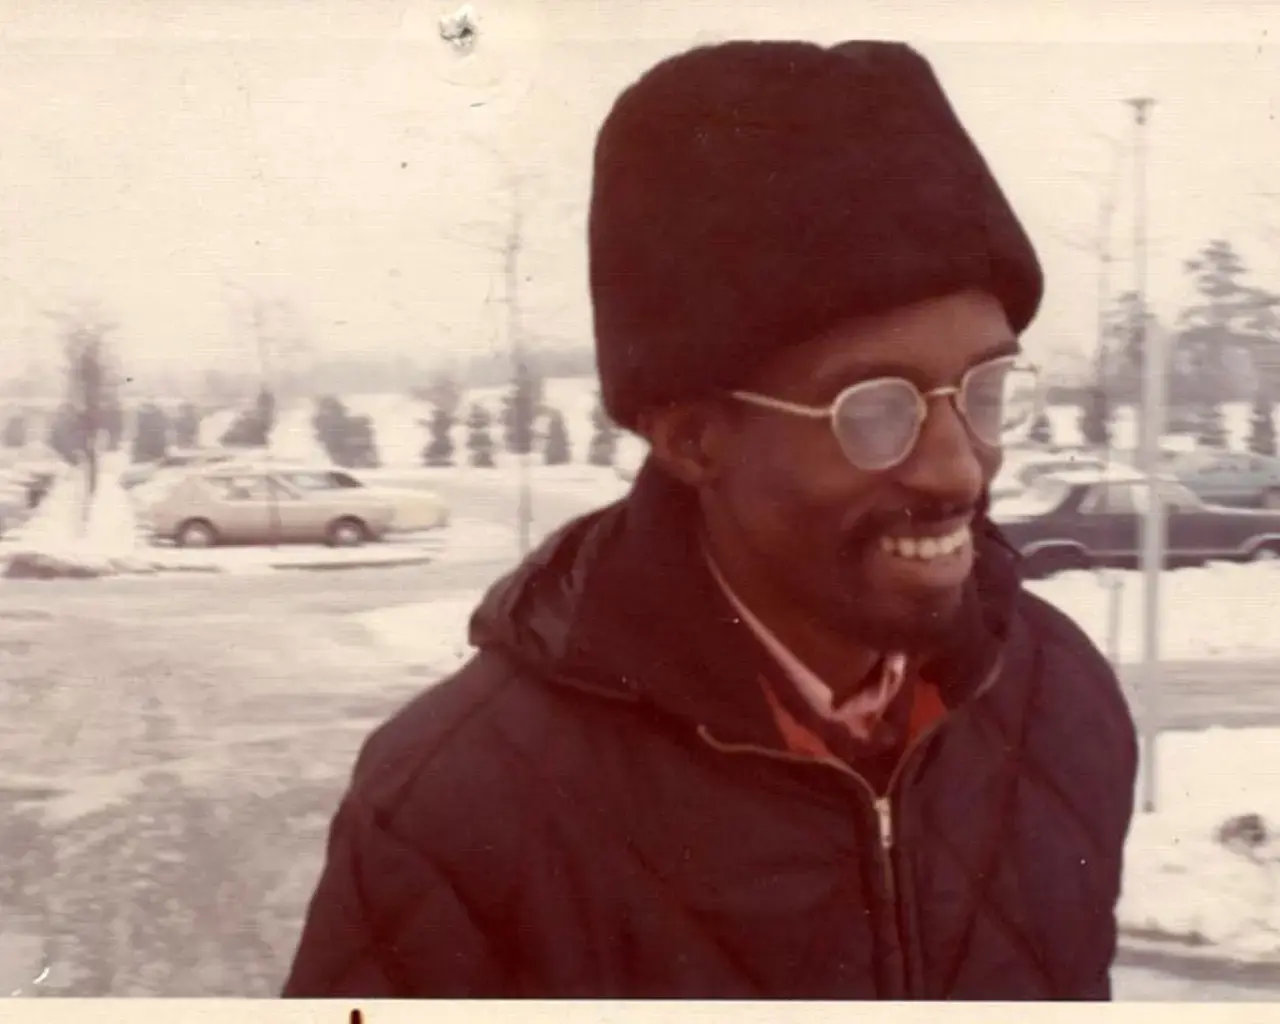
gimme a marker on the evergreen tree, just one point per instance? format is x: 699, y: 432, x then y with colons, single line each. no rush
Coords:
x: 438, y: 451
x: 113, y: 422
x: 348, y: 440
x: 327, y: 425
x: 520, y: 410
x: 361, y: 448
x: 443, y: 391
x: 479, y: 441
x: 556, y: 450
x: 252, y: 428
x: 1211, y: 426
x: 186, y: 427
x: 65, y: 434
x: 1095, y: 418
x: 603, y: 449
x: 151, y: 434
x: 1262, y: 425
x: 15, y: 431
x: 1041, y: 430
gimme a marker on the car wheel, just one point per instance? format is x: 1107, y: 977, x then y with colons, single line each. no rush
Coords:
x: 1271, y: 500
x: 1049, y: 561
x: 1267, y: 551
x: 347, y: 533
x: 197, y: 533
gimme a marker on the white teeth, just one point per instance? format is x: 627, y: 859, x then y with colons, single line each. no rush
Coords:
x: 926, y: 548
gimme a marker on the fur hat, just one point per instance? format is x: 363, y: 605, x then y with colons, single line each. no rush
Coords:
x: 749, y: 195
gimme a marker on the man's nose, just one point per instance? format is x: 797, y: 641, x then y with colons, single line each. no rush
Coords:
x: 946, y: 464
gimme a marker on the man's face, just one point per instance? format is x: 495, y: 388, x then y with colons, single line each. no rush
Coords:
x: 865, y: 552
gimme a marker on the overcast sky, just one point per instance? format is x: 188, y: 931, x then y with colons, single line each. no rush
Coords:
x: 335, y: 154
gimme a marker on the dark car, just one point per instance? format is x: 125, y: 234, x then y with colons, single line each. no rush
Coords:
x: 1080, y: 519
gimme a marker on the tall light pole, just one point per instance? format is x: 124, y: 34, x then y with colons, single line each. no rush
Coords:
x: 1106, y: 211
x: 520, y: 376
x: 1150, y: 345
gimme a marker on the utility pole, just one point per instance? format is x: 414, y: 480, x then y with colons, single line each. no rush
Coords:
x: 511, y: 292
x: 264, y: 366
x: 1106, y: 211
x: 1150, y: 344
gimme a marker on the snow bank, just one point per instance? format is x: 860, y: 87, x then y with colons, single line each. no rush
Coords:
x: 431, y: 634
x: 1179, y: 879
x: 111, y: 531
x: 59, y: 541
x: 1221, y: 610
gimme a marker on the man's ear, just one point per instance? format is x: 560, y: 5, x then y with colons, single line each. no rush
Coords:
x: 689, y: 440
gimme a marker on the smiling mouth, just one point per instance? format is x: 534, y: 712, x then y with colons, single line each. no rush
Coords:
x: 925, y: 549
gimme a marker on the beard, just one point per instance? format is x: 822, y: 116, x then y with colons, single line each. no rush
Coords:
x: 913, y: 624
x: 875, y: 612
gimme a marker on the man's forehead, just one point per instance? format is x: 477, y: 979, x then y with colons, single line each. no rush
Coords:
x: 938, y: 339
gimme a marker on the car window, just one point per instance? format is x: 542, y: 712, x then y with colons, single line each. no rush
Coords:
x: 1116, y: 498
x: 238, y: 488
x: 1178, y: 498
x: 310, y: 481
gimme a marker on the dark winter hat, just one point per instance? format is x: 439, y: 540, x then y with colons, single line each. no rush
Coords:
x: 749, y: 195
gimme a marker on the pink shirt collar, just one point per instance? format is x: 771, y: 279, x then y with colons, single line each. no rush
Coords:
x: 859, y: 714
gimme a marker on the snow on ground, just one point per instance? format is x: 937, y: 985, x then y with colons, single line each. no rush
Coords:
x: 431, y: 634
x: 1065, y: 422
x: 1178, y: 878
x: 1221, y: 610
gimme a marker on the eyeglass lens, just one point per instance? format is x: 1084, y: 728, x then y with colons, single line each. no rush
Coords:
x: 877, y: 422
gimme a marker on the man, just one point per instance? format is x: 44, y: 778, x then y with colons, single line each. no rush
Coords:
x: 781, y: 723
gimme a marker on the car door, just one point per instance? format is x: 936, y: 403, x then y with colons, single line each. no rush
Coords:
x: 1192, y: 531
x: 1108, y: 522
x: 1229, y: 480
x: 1266, y: 475
x: 239, y: 510
x: 299, y: 515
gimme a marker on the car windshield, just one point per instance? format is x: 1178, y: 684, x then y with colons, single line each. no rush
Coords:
x: 1041, y: 496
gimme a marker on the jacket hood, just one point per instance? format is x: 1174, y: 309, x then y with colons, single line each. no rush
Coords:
x: 620, y: 603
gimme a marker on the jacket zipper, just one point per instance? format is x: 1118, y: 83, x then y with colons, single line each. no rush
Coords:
x: 882, y: 804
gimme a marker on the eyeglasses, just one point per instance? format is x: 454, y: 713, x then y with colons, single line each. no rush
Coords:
x: 878, y: 422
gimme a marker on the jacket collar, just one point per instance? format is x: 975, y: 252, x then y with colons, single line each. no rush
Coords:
x: 621, y: 603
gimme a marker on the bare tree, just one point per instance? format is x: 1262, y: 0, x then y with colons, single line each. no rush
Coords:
x: 506, y: 239
x: 92, y: 384
x: 1098, y: 244
x: 273, y: 327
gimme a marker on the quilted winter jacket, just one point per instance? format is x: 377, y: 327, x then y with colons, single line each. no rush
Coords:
x: 599, y: 805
